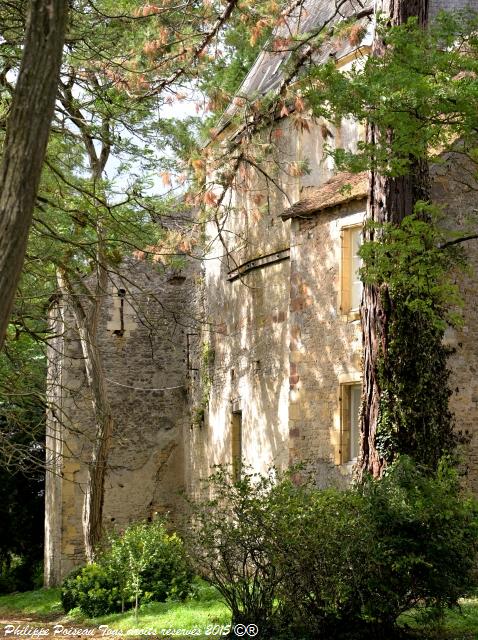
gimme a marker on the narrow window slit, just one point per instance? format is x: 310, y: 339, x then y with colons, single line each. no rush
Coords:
x: 121, y: 295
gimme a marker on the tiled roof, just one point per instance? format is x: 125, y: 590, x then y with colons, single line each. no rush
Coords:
x: 342, y: 188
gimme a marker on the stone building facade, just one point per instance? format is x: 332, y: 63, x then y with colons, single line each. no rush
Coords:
x: 251, y: 357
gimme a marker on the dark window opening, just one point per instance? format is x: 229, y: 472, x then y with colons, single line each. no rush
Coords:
x: 120, y: 331
x: 236, y: 445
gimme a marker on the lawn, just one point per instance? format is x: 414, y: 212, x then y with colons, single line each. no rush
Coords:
x: 459, y: 624
x: 41, y: 603
x: 205, y: 615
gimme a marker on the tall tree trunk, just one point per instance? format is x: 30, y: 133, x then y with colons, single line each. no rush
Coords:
x: 86, y: 321
x: 98, y: 465
x: 389, y: 201
x: 26, y: 139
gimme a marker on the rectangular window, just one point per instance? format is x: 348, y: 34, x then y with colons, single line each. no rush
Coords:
x: 351, y: 395
x: 236, y: 445
x: 355, y: 264
x: 351, y: 285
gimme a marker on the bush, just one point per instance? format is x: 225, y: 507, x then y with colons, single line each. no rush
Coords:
x: 92, y: 590
x: 21, y: 573
x: 307, y: 563
x: 144, y: 563
x: 169, y: 575
x: 230, y: 543
x: 427, y: 541
x: 324, y: 545
x: 69, y: 590
x: 148, y: 563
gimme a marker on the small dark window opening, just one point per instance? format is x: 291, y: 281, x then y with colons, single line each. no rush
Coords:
x: 236, y: 445
x: 121, y: 295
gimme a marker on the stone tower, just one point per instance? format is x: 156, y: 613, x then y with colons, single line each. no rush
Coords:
x: 142, y: 339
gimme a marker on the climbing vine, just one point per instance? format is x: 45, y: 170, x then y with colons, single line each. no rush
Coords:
x: 415, y: 272
x: 206, y: 365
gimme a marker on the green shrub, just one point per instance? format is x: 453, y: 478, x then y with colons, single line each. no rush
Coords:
x: 143, y: 563
x: 20, y: 573
x: 324, y: 545
x: 301, y: 562
x: 69, y: 590
x: 148, y: 563
x: 92, y: 590
x: 230, y: 545
x: 426, y: 535
x: 169, y: 575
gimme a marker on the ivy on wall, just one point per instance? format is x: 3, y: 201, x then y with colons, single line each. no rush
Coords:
x: 205, y: 379
x: 415, y: 271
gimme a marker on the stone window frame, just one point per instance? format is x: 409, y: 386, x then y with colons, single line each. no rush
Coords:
x: 345, y: 270
x: 122, y: 316
x: 341, y: 435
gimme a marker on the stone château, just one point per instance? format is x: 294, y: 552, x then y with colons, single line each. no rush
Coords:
x: 251, y: 355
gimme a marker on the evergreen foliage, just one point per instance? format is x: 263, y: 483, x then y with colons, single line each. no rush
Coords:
x: 22, y: 430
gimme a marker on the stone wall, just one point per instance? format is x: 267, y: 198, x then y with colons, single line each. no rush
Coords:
x: 451, y: 5
x: 324, y: 343
x: 455, y: 188
x: 245, y: 310
x: 144, y: 359
x: 249, y: 375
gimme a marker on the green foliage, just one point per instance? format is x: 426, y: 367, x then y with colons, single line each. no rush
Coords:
x: 323, y: 542
x: 413, y: 268
x: 306, y: 563
x: 142, y: 563
x: 22, y: 432
x: 230, y: 545
x: 226, y: 72
x: 21, y: 573
x: 148, y: 563
x: 415, y: 418
x: 423, y: 88
x: 426, y: 541
x: 92, y: 590
x: 208, y: 355
x: 69, y: 590
x: 411, y: 260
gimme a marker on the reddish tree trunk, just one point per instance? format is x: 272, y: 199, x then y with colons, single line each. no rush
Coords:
x: 389, y: 201
x: 26, y: 139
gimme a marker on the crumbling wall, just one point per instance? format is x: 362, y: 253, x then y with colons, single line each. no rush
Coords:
x: 142, y: 340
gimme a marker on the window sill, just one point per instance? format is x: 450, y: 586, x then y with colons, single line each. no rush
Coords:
x: 351, y: 316
x: 348, y: 467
